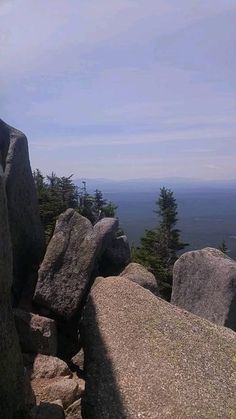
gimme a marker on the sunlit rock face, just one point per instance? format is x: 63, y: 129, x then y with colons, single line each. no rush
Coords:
x: 146, y: 358
x: 204, y: 282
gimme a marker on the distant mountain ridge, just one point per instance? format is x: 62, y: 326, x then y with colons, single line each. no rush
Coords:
x: 150, y: 184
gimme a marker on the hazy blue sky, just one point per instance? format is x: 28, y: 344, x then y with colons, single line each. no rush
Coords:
x: 122, y: 88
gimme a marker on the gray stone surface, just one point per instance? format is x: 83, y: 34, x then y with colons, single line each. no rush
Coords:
x: 204, y: 282
x: 146, y: 358
x: 139, y: 274
x: 116, y: 257
x: 65, y: 274
x: 25, y: 226
x: 11, y: 365
x: 37, y: 334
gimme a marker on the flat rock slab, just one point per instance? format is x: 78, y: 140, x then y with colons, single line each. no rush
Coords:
x: 145, y: 358
x: 204, y: 283
x: 65, y: 274
x: 37, y: 334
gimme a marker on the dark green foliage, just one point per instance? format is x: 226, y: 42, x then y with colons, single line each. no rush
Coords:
x: 159, y: 247
x: 56, y: 194
x: 95, y: 207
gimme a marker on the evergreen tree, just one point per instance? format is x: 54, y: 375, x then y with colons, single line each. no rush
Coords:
x: 159, y: 247
x: 56, y: 194
x: 95, y: 207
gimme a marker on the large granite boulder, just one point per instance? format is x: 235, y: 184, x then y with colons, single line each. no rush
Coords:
x: 204, y: 282
x: 145, y: 358
x: 139, y: 274
x: 23, y: 212
x: 65, y: 274
x: 44, y: 366
x: 11, y: 365
x: 116, y: 257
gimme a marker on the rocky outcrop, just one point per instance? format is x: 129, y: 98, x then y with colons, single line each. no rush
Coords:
x: 116, y: 257
x: 204, y: 282
x: 65, y: 274
x: 139, y: 274
x: 23, y: 212
x: 37, y: 334
x: 43, y: 366
x: 11, y: 365
x: 65, y: 389
x: 145, y: 358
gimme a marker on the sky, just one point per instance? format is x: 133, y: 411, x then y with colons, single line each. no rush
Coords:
x: 122, y: 89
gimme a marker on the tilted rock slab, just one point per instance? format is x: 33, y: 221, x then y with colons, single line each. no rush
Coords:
x: 25, y: 226
x: 139, y: 274
x: 11, y: 365
x: 64, y: 276
x: 204, y: 282
x: 146, y: 358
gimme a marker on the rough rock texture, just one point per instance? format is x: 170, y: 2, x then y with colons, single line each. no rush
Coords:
x: 65, y: 274
x: 44, y: 366
x: 23, y: 212
x: 139, y: 274
x: 116, y: 257
x: 37, y: 334
x: 78, y: 360
x: 65, y: 389
x: 204, y: 282
x: 11, y: 365
x: 145, y: 358
x: 74, y: 411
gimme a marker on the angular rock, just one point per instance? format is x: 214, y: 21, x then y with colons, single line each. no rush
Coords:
x: 145, y: 358
x: 116, y: 257
x: 52, y: 410
x: 204, y: 283
x: 44, y: 366
x: 65, y: 389
x: 37, y: 334
x: 11, y: 365
x: 139, y: 274
x: 78, y: 360
x: 65, y: 274
x: 25, y: 226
